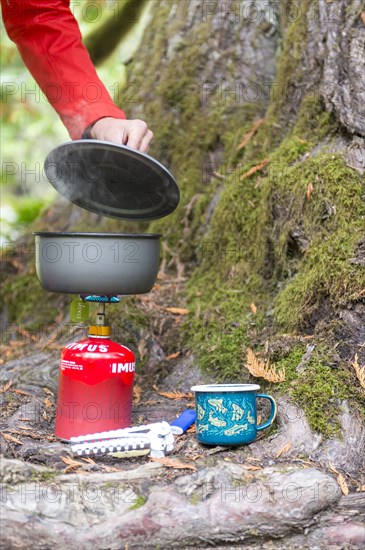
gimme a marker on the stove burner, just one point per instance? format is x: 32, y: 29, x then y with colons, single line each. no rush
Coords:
x: 105, y: 299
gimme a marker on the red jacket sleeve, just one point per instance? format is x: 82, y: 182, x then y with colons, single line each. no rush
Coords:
x: 49, y: 40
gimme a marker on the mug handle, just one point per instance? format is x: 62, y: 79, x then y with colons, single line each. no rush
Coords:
x: 273, y: 411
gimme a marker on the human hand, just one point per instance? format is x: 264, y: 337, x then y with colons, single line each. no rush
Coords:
x: 134, y: 133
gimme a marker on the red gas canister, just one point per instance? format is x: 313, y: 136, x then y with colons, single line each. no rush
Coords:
x: 95, y: 386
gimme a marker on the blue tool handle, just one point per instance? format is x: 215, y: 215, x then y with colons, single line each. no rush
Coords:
x: 185, y: 420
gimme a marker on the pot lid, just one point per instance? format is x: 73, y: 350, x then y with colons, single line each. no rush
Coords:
x: 112, y: 180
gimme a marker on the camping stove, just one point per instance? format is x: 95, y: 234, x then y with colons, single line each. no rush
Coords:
x: 96, y: 381
x: 96, y: 374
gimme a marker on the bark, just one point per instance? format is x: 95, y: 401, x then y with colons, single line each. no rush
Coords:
x: 250, y: 233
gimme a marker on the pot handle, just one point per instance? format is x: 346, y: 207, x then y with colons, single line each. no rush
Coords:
x: 273, y: 411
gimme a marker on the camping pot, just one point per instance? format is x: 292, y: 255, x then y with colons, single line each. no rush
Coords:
x: 97, y: 263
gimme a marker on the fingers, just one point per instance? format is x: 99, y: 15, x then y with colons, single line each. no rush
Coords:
x: 134, y: 133
x: 146, y: 142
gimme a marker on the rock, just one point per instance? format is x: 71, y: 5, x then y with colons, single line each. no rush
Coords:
x: 145, y: 471
x: 347, y: 450
x: 293, y: 428
x: 16, y: 471
x: 344, y: 451
x: 217, y: 505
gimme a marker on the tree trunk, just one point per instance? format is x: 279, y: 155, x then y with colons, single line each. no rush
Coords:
x: 258, y: 110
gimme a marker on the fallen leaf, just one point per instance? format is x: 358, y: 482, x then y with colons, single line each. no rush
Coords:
x: 48, y: 403
x: 21, y: 392
x: 359, y: 370
x: 48, y: 391
x: 71, y: 464
x: 9, y: 437
x: 195, y: 457
x: 192, y: 429
x: 176, y: 310
x: 248, y: 136
x: 27, y: 334
x: 284, y: 449
x: 363, y: 17
x: 173, y: 394
x: 262, y: 369
x: 361, y: 489
x: 255, y: 169
x: 137, y: 392
x: 333, y: 469
x: 253, y: 308
x: 174, y: 463
x: 251, y: 467
x: 89, y: 461
x: 16, y: 344
x: 309, y: 191
x: 343, y: 485
x: 109, y: 469
x: 6, y: 386
x: 34, y: 435
x: 172, y: 356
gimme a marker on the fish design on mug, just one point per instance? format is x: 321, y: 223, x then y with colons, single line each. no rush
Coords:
x: 236, y: 429
x: 216, y: 422
x: 200, y: 412
x: 203, y: 428
x: 238, y: 412
x: 218, y: 405
x: 250, y: 418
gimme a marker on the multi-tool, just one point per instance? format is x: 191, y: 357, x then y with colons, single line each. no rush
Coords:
x: 157, y: 438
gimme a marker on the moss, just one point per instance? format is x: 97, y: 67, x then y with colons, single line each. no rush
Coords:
x: 250, y: 256
x: 246, y: 244
x: 45, y: 477
x: 289, y: 362
x: 138, y: 503
x: 195, y: 499
x: 332, y: 223
x: 265, y: 243
x: 184, y: 115
x: 319, y: 388
x: 287, y: 89
x: 27, y: 303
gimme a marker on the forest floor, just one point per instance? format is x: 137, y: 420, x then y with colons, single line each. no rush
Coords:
x: 282, y: 491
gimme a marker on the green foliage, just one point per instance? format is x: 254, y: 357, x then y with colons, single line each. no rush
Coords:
x: 106, y: 37
x: 28, y: 209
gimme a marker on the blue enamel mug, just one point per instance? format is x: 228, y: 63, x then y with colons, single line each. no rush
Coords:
x: 226, y: 413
